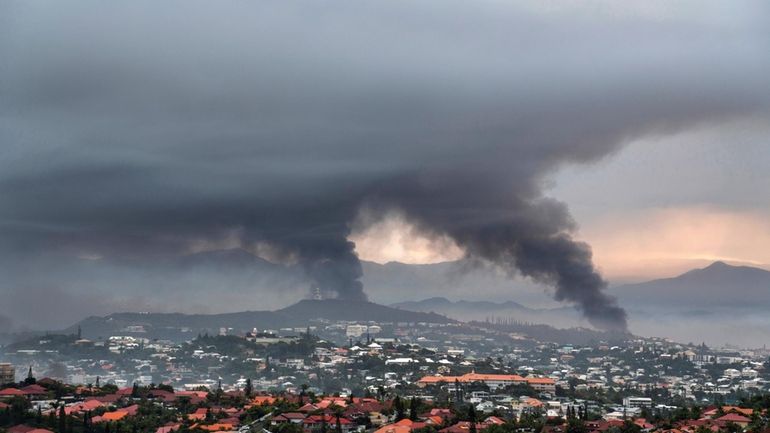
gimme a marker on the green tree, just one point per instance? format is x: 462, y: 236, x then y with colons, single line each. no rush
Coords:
x: 337, y: 423
x: 398, y: 406
x: 630, y: 427
x: 62, y: 420
x: 413, y: 408
x: 575, y: 425
x: 472, y: 418
x: 18, y: 409
x: 248, y: 389
x: 52, y: 416
x: 288, y: 427
x: 432, y: 429
x: 458, y: 392
x: 69, y: 424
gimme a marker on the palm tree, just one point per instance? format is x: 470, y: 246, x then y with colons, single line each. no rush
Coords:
x: 337, y: 414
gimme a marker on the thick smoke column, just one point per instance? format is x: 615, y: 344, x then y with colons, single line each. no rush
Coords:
x: 523, y: 233
x: 332, y: 266
x: 549, y: 255
x: 139, y: 131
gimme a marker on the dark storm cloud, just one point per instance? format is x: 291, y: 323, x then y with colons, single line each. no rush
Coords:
x: 138, y: 129
x: 6, y: 324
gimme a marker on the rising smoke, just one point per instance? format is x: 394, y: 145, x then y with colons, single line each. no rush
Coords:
x: 137, y: 130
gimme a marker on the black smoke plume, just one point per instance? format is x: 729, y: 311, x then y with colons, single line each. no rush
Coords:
x: 143, y: 130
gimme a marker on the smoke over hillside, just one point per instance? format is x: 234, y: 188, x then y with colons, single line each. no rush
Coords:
x: 149, y: 130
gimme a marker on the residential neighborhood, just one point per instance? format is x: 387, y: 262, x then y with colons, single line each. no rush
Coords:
x: 419, y: 377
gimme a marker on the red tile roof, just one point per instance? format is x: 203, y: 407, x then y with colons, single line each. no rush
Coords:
x: 290, y: 416
x: 392, y: 428
x: 477, y: 377
x: 114, y: 416
x: 20, y: 428
x: 472, y: 377
x: 308, y: 408
x: 330, y: 419
x: 168, y: 428
x: 34, y: 390
x: 463, y: 427
x: 263, y: 399
x: 734, y: 417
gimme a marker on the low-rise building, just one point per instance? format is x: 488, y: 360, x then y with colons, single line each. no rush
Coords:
x: 7, y: 373
x: 637, y: 402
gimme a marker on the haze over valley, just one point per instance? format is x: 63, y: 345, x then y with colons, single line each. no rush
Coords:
x: 694, y: 306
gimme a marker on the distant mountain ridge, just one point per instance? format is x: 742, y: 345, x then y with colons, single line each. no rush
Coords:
x: 482, y: 310
x: 696, y: 300
x: 440, y: 303
x: 168, y: 325
x: 699, y: 292
x: 337, y: 309
x: 216, y: 281
x: 719, y: 285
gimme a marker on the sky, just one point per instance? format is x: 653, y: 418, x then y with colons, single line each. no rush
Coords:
x: 573, y: 144
x: 666, y: 205
x: 686, y: 200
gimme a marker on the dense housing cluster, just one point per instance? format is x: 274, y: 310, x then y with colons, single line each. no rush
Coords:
x: 378, y: 377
